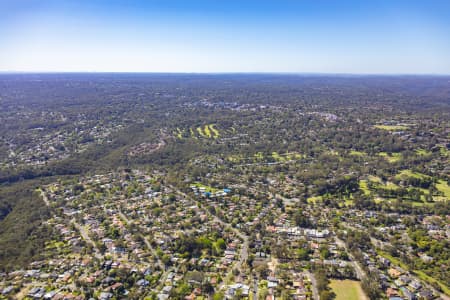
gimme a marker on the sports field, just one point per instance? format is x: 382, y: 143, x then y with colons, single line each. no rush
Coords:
x: 347, y: 290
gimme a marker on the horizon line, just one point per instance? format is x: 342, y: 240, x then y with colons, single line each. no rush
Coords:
x: 227, y: 73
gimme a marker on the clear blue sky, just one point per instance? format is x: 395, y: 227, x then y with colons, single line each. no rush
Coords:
x: 334, y: 36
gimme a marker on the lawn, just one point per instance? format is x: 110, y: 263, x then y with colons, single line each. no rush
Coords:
x: 293, y: 155
x: 259, y: 156
x: 214, y: 131
x: 333, y: 152
x: 375, y: 179
x: 179, y: 133
x: 409, y: 173
x: 314, y: 199
x: 444, y: 152
x: 443, y: 187
x: 379, y: 200
x: 207, y: 131
x: 347, y: 290
x: 55, y: 245
x: 278, y: 157
x: 391, y: 127
x: 423, y: 152
x: 234, y: 158
x: 357, y: 153
x: 207, y: 188
x: 390, y: 186
x: 363, y: 187
x: 200, y: 132
x: 392, y: 158
x: 193, y: 135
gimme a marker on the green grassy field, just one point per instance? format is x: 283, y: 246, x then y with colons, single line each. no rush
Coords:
x: 390, y: 186
x: 363, y: 187
x: 391, y: 127
x: 207, y: 131
x: 423, y: 152
x: 392, y: 158
x: 288, y: 156
x: 314, y: 199
x: 200, y: 132
x: 379, y: 200
x: 443, y: 187
x: 215, y: 132
x: 409, y: 173
x: 444, y: 152
x: 192, y: 133
x: 357, y: 153
x: 235, y: 158
x: 207, y: 188
x: 347, y: 290
x: 179, y: 133
x: 333, y: 152
x: 261, y: 157
x: 375, y: 179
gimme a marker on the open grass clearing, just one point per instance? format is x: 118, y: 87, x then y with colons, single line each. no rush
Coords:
x: 420, y: 204
x: 423, y: 152
x: 191, y: 131
x: 277, y: 157
x: 259, y: 156
x: 357, y: 153
x: 207, y: 131
x: 314, y: 199
x: 379, y: 200
x: 390, y: 186
x: 374, y: 179
x: 444, y: 152
x: 392, y: 157
x: 200, y: 132
x: 208, y: 189
x: 333, y: 152
x: 347, y: 290
x: 179, y: 133
x: 391, y: 127
x: 363, y: 187
x: 214, y: 131
x: 288, y: 156
x: 443, y: 187
x: 409, y: 173
x: 234, y: 158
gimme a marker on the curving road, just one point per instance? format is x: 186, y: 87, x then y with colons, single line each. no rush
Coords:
x: 359, y: 271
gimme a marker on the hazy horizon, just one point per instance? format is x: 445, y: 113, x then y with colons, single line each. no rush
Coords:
x: 306, y: 74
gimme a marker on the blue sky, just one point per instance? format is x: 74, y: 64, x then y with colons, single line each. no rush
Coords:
x: 305, y: 36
